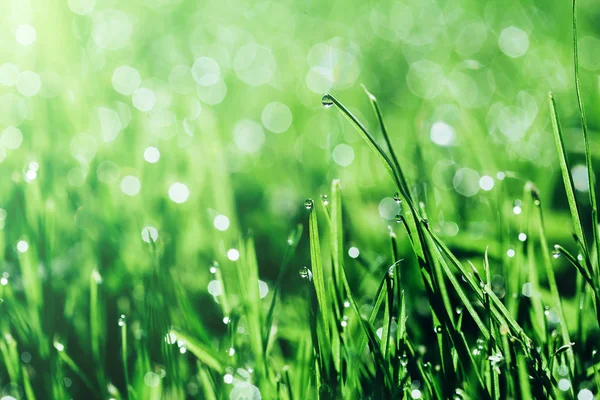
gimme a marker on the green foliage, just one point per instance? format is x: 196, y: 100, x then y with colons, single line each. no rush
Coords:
x: 452, y: 286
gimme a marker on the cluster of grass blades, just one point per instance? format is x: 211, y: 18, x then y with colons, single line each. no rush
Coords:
x: 485, y: 342
x: 520, y: 350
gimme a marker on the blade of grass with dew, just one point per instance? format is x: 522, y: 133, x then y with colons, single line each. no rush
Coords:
x: 387, y: 163
x: 364, y: 133
x: 565, y: 172
x: 394, y: 158
x: 549, y: 270
x: 387, y: 316
x: 588, y: 155
x: 317, y: 267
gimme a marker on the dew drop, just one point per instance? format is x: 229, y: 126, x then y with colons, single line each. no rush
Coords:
x: 305, y: 273
x: 397, y: 198
x: 398, y: 218
x: 326, y: 101
x: 556, y: 252
x: 325, y: 199
x: 480, y: 343
x: 308, y: 204
x: 438, y: 329
x: 390, y: 271
x: 214, y: 266
x: 122, y: 320
x: 404, y: 359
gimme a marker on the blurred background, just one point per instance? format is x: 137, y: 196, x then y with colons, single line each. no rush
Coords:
x: 192, y: 123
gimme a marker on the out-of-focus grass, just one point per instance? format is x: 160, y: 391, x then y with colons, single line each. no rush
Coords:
x: 155, y: 159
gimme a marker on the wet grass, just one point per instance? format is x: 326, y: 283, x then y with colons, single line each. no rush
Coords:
x: 424, y: 318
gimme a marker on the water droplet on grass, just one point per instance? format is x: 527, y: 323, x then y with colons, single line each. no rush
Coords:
x: 306, y: 273
x: 308, y: 204
x: 438, y: 329
x: 122, y: 320
x: 326, y: 101
x: 480, y: 343
x: 556, y: 252
x: 325, y: 199
x: 397, y: 198
x: 404, y: 359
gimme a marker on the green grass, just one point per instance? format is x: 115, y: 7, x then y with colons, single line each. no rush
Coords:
x: 305, y: 293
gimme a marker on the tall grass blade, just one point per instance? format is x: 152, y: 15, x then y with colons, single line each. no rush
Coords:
x: 317, y: 268
x: 586, y: 140
x: 565, y: 171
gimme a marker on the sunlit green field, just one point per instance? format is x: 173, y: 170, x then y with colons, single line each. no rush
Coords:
x: 299, y: 200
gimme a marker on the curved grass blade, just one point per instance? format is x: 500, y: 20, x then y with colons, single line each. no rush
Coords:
x: 564, y: 330
x: 586, y: 140
x: 384, y: 132
x: 564, y: 169
x: 364, y: 133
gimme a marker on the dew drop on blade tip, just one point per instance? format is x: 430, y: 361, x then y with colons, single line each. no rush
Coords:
x: 326, y: 101
x: 308, y: 204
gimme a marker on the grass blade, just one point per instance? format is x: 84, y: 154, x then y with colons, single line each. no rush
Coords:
x: 586, y: 141
x: 317, y: 267
x: 565, y: 172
